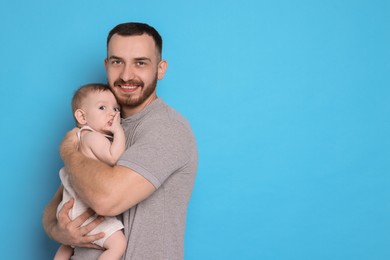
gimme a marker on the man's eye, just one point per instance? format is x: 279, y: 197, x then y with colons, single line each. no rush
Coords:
x: 116, y: 62
x: 141, y: 63
x: 102, y: 108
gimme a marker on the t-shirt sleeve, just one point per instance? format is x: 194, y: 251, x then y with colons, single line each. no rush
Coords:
x: 159, y: 149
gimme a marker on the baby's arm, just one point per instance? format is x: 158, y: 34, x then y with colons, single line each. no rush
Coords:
x: 118, y: 144
x: 101, y: 147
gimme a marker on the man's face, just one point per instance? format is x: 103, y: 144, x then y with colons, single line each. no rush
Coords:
x: 133, y: 67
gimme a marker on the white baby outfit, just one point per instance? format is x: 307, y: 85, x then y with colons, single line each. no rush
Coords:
x: 108, y: 226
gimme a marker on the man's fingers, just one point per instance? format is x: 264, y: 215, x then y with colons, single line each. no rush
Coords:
x: 74, y: 233
x: 64, y: 212
x: 90, y: 226
x: 91, y: 238
x: 77, y: 222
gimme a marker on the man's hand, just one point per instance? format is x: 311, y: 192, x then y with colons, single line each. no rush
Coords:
x: 72, y: 233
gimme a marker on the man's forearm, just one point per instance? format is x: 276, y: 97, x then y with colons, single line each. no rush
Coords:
x: 88, y: 177
x: 108, y: 190
x: 85, y: 173
x: 49, y: 219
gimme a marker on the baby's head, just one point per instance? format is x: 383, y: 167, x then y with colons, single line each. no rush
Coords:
x: 94, y: 105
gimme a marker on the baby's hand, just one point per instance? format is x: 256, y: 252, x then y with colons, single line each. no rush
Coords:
x: 115, y: 125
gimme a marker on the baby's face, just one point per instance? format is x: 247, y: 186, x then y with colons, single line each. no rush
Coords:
x: 100, y: 108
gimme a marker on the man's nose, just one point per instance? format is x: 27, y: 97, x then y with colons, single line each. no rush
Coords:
x: 127, y: 73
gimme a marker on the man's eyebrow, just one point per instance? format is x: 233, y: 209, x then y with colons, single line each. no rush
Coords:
x: 142, y: 59
x: 113, y: 57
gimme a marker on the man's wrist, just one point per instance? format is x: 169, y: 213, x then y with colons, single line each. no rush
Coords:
x: 50, y: 229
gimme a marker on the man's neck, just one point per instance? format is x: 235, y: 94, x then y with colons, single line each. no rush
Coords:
x: 130, y: 111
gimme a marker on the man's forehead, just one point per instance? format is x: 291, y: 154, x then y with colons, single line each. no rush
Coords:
x: 143, y: 40
x: 136, y: 46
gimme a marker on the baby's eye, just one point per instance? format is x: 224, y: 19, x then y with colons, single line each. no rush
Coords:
x: 117, y: 109
x: 102, y: 108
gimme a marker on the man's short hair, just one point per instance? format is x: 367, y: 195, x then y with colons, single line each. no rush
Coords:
x: 132, y: 28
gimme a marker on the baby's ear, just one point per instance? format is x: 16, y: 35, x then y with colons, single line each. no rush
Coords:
x: 79, y: 114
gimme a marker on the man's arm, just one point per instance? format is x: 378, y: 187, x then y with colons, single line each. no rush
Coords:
x: 108, y: 190
x: 65, y: 231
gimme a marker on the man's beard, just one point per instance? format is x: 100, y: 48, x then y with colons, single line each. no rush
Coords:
x: 129, y: 100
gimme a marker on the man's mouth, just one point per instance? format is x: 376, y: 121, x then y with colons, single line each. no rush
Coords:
x: 128, y: 84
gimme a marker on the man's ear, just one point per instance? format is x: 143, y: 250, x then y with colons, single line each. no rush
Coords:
x: 162, y: 68
x: 105, y: 63
x: 79, y: 114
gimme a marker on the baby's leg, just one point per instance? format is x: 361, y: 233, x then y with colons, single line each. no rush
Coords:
x: 115, y: 246
x: 63, y: 253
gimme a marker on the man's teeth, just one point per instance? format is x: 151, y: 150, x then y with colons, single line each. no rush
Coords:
x: 129, y: 87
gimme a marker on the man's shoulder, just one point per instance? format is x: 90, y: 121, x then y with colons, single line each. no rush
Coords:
x: 164, y: 114
x: 158, y: 109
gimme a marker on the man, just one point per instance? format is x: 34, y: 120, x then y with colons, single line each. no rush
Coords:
x: 152, y: 182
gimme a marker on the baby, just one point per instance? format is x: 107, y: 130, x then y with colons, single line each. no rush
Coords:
x: 101, y: 137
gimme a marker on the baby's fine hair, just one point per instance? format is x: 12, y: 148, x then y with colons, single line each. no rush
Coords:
x: 81, y: 93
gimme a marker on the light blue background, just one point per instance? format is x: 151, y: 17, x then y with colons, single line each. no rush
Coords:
x: 289, y: 100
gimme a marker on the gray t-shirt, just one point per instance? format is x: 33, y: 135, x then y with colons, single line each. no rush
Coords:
x: 161, y: 147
